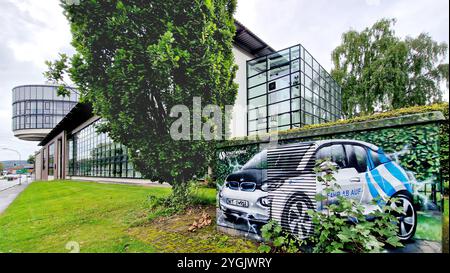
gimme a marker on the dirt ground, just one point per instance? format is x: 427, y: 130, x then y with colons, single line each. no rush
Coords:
x: 171, y: 235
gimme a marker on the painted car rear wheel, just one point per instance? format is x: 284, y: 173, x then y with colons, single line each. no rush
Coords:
x: 295, y: 215
x: 407, y: 221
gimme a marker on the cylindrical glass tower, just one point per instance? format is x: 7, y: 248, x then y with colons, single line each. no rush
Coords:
x: 37, y: 109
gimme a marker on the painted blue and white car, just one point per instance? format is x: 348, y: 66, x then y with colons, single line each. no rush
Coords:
x: 364, y: 173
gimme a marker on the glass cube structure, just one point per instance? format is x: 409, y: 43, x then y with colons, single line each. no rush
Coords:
x: 289, y: 89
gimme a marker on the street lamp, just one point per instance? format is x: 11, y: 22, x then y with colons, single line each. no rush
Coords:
x: 12, y: 150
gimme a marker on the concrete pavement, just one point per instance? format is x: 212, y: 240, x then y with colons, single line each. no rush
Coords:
x: 419, y: 246
x: 9, y: 191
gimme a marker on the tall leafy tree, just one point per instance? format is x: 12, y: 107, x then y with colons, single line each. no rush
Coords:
x: 136, y: 59
x: 379, y: 71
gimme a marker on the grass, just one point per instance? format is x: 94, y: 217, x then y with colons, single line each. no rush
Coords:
x: 445, y: 241
x: 105, y: 218
x: 429, y: 227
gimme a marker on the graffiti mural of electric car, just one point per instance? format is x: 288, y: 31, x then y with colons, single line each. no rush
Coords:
x: 280, y: 184
x: 244, y: 193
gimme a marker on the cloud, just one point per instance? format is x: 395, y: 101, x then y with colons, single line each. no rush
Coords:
x: 373, y: 2
x: 31, y: 32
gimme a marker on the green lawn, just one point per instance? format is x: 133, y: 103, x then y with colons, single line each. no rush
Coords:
x: 100, y: 218
x: 445, y: 241
x: 429, y: 227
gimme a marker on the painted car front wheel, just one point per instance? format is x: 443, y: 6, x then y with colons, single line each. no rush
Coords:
x: 407, y: 220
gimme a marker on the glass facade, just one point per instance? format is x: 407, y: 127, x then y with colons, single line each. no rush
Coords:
x: 95, y: 154
x: 39, y: 107
x: 289, y: 89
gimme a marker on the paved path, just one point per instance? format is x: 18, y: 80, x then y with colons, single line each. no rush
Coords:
x: 419, y: 246
x: 8, y: 192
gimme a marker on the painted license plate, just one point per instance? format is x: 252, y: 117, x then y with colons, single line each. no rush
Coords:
x: 237, y: 203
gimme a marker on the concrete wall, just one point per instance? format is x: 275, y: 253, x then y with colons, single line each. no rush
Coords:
x: 38, y: 166
x: 238, y: 125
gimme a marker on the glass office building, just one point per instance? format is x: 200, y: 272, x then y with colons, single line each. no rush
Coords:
x: 94, y: 154
x: 289, y: 89
x: 37, y: 109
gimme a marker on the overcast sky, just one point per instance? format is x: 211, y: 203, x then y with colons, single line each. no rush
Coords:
x: 32, y: 31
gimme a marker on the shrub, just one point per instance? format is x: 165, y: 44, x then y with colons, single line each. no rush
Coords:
x: 278, y: 240
x: 180, y: 198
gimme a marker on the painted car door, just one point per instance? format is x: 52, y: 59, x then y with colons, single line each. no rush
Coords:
x: 358, y: 163
x: 347, y: 176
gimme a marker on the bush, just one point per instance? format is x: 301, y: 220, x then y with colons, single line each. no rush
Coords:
x: 278, y: 240
x: 182, y: 196
x: 345, y: 228
x: 210, y: 182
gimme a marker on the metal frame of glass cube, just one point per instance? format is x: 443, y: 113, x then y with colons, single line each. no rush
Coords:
x: 292, y: 89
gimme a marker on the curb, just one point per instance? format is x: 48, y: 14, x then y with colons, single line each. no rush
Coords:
x: 9, y: 187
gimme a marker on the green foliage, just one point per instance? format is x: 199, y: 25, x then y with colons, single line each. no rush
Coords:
x: 278, y: 240
x: 182, y: 196
x: 210, y: 182
x: 376, y: 69
x: 444, y: 150
x: 56, y: 73
x: 31, y: 159
x: 135, y: 60
x: 345, y: 228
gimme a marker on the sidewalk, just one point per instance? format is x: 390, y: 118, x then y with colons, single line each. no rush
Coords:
x: 8, y: 192
x: 419, y: 246
x: 4, y: 184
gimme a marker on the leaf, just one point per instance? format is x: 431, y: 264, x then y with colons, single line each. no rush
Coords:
x: 279, y: 241
x: 263, y: 248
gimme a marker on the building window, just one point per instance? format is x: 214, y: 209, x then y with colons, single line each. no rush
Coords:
x: 95, y: 154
